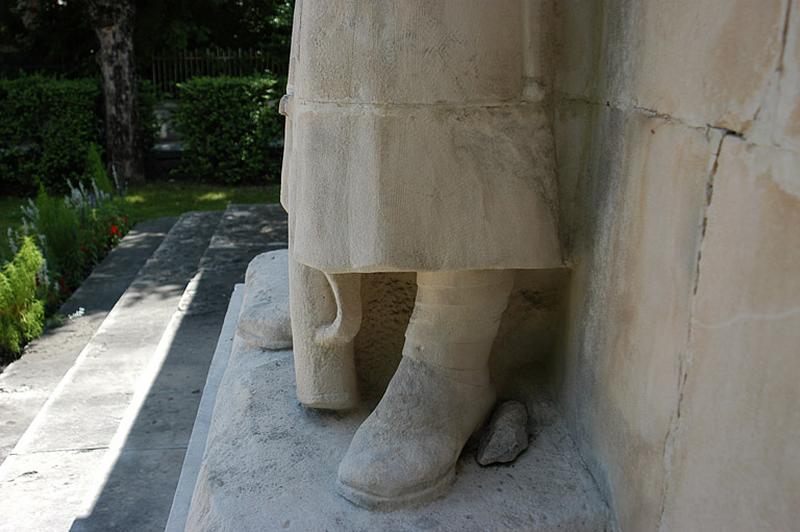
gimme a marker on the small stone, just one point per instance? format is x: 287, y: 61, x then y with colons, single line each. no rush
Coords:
x: 506, y: 436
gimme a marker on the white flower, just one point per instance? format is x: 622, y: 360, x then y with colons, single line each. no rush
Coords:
x: 77, y: 314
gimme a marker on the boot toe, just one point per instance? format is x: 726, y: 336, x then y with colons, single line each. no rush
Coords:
x: 379, y: 473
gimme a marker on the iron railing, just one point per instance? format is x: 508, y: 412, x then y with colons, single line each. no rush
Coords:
x: 171, y: 68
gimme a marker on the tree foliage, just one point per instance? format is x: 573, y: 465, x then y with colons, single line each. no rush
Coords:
x: 46, y: 36
x: 57, y: 35
x: 47, y: 127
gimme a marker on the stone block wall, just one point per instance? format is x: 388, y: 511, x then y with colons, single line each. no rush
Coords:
x: 527, y: 335
x: 677, y: 128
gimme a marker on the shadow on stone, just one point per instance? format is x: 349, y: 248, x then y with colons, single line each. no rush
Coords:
x: 139, y: 487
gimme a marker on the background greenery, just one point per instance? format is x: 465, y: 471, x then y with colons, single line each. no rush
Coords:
x: 21, y: 299
x: 48, y: 127
x: 61, y: 39
x: 230, y: 128
x: 52, y: 138
x: 45, y: 131
x: 157, y: 199
x: 58, y: 241
x: 39, y: 273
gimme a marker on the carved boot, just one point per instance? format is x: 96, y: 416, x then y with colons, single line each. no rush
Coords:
x: 405, y: 452
x: 326, y: 315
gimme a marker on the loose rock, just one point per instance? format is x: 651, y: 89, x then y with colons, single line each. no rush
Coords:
x: 507, y: 434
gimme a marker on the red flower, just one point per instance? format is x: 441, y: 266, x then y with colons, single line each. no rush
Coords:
x: 114, y: 230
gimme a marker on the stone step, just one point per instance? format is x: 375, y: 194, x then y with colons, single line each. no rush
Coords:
x: 52, y: 466
x: 193, y: 458
x: 142, y: 467
x: 27, y: 383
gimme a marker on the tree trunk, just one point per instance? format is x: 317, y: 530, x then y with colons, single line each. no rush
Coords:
x: 113, y: 24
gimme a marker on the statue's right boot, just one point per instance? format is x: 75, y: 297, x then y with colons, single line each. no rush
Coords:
x: 405, y: 452
x: 326, y: 315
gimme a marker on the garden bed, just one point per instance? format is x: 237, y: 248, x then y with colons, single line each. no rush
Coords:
x: 58, y: 242
x: 78, y: 232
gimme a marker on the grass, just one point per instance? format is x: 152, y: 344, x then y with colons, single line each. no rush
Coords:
x: 171, y: 198
x: 160, y: 198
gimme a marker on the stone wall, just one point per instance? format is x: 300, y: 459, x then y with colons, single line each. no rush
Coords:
x: 677, y: 131
x: 528, y: 331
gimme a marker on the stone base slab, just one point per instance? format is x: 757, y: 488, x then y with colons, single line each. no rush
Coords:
x: 270, y: 464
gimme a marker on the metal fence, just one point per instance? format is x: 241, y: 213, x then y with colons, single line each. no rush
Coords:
x: 171, y: 68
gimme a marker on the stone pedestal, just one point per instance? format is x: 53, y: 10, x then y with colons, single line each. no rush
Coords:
x: 270, y: 464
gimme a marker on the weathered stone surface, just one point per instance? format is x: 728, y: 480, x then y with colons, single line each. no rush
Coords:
x: 326, y: 314
x: 506, y: 435
x: 412, y: 135
x: 637, y: 55
x: 146, y: 478
x: 478, y: 51
x: 405, y: 452
x: 271, y: 464
x: 734, y: 459
x: 721, y: 75
x: 265, y: 320
x: 387, y: 300
x: 527, y: 333
x: 369, y: 223
x: 633, y: 203
x: 418, y: 140
x: 637, y: 167
x: 44, y: 491
x: 584, y: 68
x: 786, y: 130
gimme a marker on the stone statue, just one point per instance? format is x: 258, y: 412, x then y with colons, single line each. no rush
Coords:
x: 416, y: 141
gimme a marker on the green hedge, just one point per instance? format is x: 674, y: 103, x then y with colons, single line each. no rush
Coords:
x: 47, y: 127
x: 230, y: 128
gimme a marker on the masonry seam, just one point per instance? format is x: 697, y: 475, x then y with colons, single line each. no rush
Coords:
x: 622, y: 106
x: 684, y: 362
x: 785, y: 34
x: 654, y: 113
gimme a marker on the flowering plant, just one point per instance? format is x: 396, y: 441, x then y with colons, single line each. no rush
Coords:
x: 61, y: 239
x: 74, y: 233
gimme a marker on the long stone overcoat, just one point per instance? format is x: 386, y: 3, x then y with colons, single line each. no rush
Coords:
x: 411, y: 144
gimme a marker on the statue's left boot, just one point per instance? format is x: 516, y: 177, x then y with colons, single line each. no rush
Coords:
x: 405, y: 452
